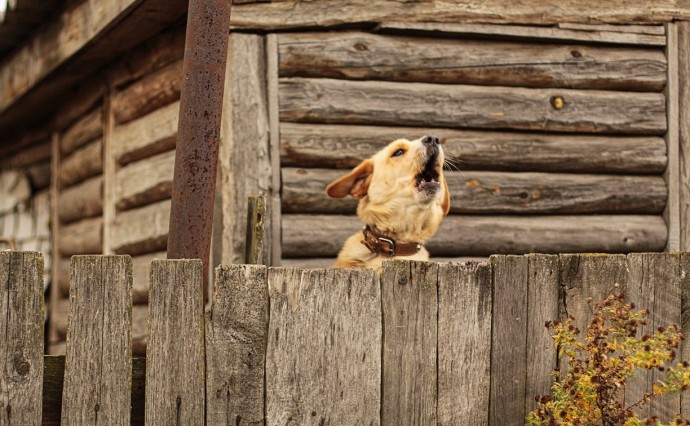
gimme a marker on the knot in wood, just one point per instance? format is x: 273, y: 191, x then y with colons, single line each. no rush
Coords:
x: 402, y: 280
x: 21, y: 366
x: 361, y: 47
x: 557, y: 102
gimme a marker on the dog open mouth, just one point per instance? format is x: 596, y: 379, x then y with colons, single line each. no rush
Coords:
x: 428, y: 179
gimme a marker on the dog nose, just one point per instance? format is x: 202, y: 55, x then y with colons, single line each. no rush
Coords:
x: 430, y: 140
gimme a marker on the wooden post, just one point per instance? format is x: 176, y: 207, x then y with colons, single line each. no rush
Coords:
x: 109, y: 170
x: 672, y: 173
x: 98, y: 372
x: 236, y: 333
x: 55, y: 255
x: 22, y: 312
x: 683, y: 58
x: 409, y: 293
x: 176, y: 341
x: 274, y: 143
x: 256, y: 222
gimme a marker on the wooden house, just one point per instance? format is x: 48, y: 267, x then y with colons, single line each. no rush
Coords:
x: 567, y: 122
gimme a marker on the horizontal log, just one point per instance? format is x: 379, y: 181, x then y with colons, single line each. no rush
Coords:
x: 81, y: 201
x: 145, y: 181
x: 146, y: 136
x: 320, y: 262
x: 83, y: 163
x: 295, y: 14
x: 324, y: 235
x: 58, y: 315
x: 307, y: 145
x: 626, y: 29
x: 63, y: 265
x: 441, y: 105
x: 27, y: 155
x: 87, y: 128
x: 498, y: 192
x: 83, y: 237
x: 522, y: 32
x: 366, y: 56
x: 142, y: 230
x: 39, y: 175
x: 148, y: 94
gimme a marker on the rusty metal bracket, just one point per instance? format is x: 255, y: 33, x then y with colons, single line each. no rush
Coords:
x: 201, y: 105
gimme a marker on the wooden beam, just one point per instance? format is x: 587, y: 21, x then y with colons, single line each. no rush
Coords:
x: 684, y: 132
x: 672, y: 173
x: 275, y: 144
x: 55, y: 254
x: 149, y: 135
x: 144, y: 182
x: 81, y: 201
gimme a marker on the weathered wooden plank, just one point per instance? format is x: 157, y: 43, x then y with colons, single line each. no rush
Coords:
x: 654, y: 284
x: 272, y: 95
x: 87, y: 128
x: 22, y: 315
x: 176, y: 331
x: 636, y: 29
x: 82, y: 200
x: 109, y: 170
x: 498, y: 192
x: 684, y: 264
x: 420, y: 104
x: 522, y: 32
x: 509, y: 339
x: 296, y: 14
x: 324, y: 235
x: 151, y: 134
x: 55, y: 231
x: 98, y: 363
x: 148, y: 94
x: 323, y: 359
x: 145, y: 181
x: 464, y: 343
x: 244, y: 156
x: 542, y: 305
x: 684, y: 132
x: 308, y: 145
x: 83, y: 237
x: 142, y: 230
x: 409, y: 300
x: 53, y: 380
x: 366, y: 56
x: 236, y: 338
x: 83, y: 163
x: 672, y: 172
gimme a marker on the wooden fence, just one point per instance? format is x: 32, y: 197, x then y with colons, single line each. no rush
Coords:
x: 422, y: 344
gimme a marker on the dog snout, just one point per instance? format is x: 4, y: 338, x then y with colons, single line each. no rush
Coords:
x: 430, y: 140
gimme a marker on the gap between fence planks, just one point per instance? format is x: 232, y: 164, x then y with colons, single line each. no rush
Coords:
x: 22, y: 314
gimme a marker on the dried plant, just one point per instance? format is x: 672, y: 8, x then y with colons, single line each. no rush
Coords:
x: 598, y: 368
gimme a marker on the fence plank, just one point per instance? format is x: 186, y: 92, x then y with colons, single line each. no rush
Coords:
x: 323, y: 361
x: 509, y: 340
x: 236, y: 328
x: 99, y: 345
x: 22, y: 312
x: 176, y: 340
x: 542, y: 306
x: 684, y: 259
x: 464, y: 343
x: 409, y: 293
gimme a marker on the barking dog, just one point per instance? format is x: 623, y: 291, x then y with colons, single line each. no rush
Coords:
x: 402, y: 198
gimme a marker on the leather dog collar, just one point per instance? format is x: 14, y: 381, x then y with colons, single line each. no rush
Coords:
x: 380, y: 244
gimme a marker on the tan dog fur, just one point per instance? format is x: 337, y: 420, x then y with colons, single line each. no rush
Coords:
x: 389, y: 199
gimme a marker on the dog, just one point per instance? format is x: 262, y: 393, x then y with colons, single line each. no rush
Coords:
x: 403, y: 197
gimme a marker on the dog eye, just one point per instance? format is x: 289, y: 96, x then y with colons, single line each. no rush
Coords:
x: 398, y: 153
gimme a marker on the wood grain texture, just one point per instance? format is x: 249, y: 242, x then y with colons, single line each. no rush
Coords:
x: 343, y: 146
x: 55, y: 231
x: 295, y: 14
x: 323, y: 235
x: 684, y: 132
x: 366, y: 56
x: 83, y: 237
x: 244, y: 156
x: 83, y: 163
x: 420, y: 104
x: 323, y: 360
x: 22, y: 316
x: 508, y: 339
x: 275, y: 143
x: 464, y: 343
x: 152, y: 92
x: 672, y: 173
x: 145, y: 181
x: 236, y: 338
x: 566, y: 33
x: 142, y: 230
x: 82, y: 200
x: 543, y: 290
x: 98, y: 363
x: 684, y: 264
x: 654, y: 283
x: 151, y: 134
x: 410, y: 308
x: 498, y: 192
x: 85, y: 129
x: 176, y: 330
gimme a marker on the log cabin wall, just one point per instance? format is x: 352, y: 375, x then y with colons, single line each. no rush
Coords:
x: 558, y: 134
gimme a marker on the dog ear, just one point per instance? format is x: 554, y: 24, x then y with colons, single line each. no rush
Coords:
x: 355, y: 183
x: 445, y: 205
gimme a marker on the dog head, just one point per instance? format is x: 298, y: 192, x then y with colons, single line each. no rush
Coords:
x: 401, y: 189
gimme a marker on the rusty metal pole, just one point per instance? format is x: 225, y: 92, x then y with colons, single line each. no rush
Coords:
x: 201, y: 105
